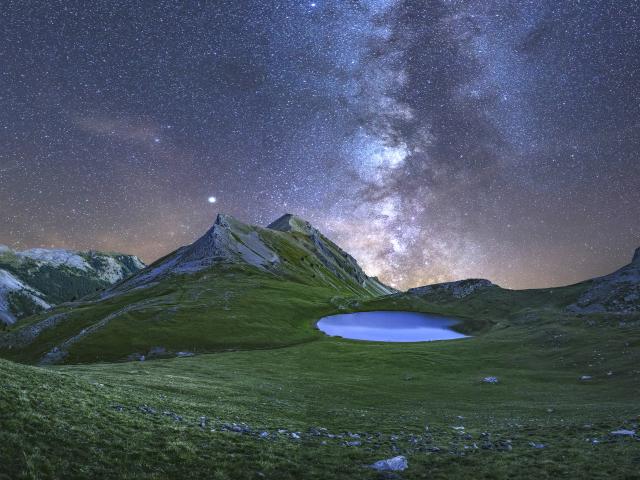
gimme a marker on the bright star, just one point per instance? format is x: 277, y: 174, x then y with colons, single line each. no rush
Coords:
x: 212, y: 200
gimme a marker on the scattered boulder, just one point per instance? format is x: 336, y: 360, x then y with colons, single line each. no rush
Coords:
x: 173, y: 415
x: 623, y: 433
x: 395, y: 464
x: 490, y: 380
x: 586, y: 378
x: 147, y: 409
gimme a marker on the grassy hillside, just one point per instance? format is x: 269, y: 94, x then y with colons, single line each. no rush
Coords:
x: 237, y: 287
x: 225, y: 308
x: 144, y: 419
x: 268, y: 396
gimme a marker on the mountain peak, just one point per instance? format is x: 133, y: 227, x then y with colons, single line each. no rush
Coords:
x: 291, y: 223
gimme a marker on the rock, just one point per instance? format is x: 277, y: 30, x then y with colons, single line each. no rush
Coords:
x: 295, y: 435
x: 395, y: 464
x: 623, y: 433
x: 118, y: 408
x: 586, y: 378
x: 504, y: 445
x: 147, y: 409
x: 537, y: 445
x: 234, y: 427
x: 185, y: 354
x: 202, y: 421
x: 263, y: 434
x: 353, y: 444
x: 157, y: 352
x: 490, y: 380
x: 173, y: 415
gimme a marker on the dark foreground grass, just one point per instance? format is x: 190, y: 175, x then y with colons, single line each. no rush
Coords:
x: 89, y: 421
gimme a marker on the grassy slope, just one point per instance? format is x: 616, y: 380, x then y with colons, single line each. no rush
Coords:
x: 223, y: 309
x: 60, y: 421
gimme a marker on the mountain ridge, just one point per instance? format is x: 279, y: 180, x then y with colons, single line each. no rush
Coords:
x: 236, y: 286
x: 36, y: 279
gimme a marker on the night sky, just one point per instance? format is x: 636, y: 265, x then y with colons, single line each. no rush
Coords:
x: 434, y: 140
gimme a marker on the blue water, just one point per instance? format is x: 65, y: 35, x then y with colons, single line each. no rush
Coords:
x: 389, y: 327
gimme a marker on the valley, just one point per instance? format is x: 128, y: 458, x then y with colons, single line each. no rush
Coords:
x: 218, y: 371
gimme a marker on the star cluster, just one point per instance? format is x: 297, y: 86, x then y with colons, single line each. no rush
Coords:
x: 433, y: 139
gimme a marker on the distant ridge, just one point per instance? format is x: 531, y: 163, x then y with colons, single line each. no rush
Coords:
x: 36, y: 279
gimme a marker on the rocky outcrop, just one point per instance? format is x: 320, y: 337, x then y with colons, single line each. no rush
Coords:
x: 618, y: 292
x: 459, y: 289
x: 339, y: 262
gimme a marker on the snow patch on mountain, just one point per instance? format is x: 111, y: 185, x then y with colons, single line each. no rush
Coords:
x: 111, y: 271
x: 10, y: 284
x: 56, y: 258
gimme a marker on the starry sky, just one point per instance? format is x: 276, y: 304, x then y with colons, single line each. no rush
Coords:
x: 434, y: 140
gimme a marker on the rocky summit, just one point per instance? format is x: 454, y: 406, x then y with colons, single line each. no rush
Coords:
x: 617, y: 292
x: 288, y: 246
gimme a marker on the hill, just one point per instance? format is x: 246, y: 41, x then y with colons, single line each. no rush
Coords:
x: 37, y: 279
x: 238, y: 286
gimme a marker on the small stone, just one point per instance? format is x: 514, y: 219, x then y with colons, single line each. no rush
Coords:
x: 395, y: 464
x: 147, y: 409
x: 537, y: 445
x: 295, y: 435
x: 264, y: 434
x: 586, y: 378
x: 490, y: 380
x: 202, y: 421
x: 173, y: 415
x: 118, y: 408
x: 353, y: 444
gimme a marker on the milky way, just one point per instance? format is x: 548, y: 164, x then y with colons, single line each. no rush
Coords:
x: 435, y: 140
